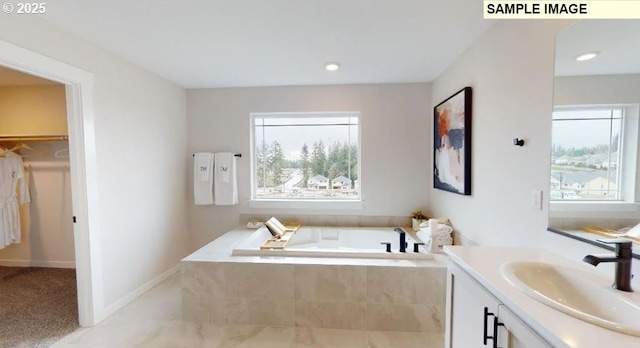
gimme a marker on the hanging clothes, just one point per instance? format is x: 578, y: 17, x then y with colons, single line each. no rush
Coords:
x: 13, y: 192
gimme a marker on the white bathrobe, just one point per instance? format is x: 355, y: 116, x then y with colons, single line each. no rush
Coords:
x: 13, y: 191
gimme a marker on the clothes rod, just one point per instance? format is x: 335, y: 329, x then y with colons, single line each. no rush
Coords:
x: 236, y: 154
x: 34, y: 137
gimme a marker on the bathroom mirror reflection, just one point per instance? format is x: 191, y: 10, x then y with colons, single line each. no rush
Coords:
x: 594, y: 182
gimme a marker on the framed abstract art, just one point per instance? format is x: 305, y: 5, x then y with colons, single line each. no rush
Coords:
x: 452, y: 143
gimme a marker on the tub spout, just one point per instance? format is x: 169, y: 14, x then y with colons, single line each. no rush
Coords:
x: 403, y: 239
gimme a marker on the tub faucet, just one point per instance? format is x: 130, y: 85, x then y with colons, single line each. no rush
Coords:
x: 403, y: 239
x: 622, y: 258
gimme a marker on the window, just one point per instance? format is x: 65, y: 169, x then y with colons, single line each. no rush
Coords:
x: 306, y: 156
x: 587, y: 160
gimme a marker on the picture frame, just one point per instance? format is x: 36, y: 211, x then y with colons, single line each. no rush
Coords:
x: 452, y: 143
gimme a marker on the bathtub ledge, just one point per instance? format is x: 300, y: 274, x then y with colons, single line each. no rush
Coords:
x: 220, y: 250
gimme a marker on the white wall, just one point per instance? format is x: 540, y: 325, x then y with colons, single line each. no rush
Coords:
x: 37, y: 110
x: 395, y: 139
x: 511, y: 71
x: 47, y: 227
x: 140, y: 123
x: 600, y: 89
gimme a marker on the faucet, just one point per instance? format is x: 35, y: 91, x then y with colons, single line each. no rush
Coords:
x: 403, y: 239
x: 622, y: 258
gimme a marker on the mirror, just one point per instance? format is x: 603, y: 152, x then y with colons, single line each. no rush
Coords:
x: 594, y: 179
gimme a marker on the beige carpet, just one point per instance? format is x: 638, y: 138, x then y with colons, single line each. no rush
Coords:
x: 38, y: 306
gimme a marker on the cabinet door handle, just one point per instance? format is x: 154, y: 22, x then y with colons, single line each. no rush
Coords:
x: 496, y: 323
x: 486, y: 337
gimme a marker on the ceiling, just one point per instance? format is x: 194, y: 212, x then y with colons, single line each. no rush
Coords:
x: 240, y: 43
x: 618, y: 42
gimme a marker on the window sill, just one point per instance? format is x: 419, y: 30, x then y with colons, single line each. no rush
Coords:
x: 306, y: 204
x: 594, y: 209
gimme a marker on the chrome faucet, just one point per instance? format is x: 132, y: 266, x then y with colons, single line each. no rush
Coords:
x: 403, y: 239
x: 622, y: 258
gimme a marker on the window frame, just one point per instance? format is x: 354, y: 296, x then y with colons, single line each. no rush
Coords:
x: 619, y: 191
x: 629, y: 171
x: 303, y: 203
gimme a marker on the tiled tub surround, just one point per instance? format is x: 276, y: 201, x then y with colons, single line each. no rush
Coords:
x: 334, y: 220
x: 331, y: 293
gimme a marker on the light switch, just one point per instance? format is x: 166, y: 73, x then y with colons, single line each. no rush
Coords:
x: 536, y: 199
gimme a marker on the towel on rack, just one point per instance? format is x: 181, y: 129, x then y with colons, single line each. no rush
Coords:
x: 203, y: 178
x: 225, y: 185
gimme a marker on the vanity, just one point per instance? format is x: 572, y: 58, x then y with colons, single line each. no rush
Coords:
x: 492, y: 300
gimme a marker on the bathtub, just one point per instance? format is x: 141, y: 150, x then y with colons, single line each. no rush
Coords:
x: 339, y: 242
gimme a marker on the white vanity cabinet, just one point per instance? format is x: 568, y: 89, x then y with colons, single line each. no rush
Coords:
x: 475, y: 318
x: 519, y: 334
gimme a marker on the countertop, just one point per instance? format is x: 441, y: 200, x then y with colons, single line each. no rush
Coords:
x: 561, y: 330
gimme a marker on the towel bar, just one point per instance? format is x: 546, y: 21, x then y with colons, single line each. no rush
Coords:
x: 237, y: 155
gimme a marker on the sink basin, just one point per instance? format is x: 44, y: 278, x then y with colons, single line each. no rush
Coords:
x: 573, y: 292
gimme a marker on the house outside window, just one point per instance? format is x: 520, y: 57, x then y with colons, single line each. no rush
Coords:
x: 588, y: 154
x: 306, y: 156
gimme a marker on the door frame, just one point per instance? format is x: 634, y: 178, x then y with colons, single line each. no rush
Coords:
x: 82, y: 160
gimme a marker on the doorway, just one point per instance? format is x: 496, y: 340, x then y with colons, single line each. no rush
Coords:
x: 83, y: 171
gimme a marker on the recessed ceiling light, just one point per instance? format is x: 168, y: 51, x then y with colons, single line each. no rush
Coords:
x: 332, y: 66
x: 587, y: 56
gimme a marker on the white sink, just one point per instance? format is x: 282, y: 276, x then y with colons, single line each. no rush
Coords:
x: 573, y: 292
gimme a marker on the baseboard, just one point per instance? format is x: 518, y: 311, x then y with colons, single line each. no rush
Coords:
x: 138, y: 292
x: 32, y: 263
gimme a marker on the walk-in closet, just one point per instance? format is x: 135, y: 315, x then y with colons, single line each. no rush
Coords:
x: 38, y: 291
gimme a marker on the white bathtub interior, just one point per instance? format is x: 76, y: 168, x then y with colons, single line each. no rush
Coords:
x: 350, y: 242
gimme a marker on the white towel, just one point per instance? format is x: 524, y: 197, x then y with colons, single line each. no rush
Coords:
x: 435, y: 244
x: 443, y: 231
x: 203, y: 178
x: 444, y: 240
x: 441, y: 228
x: 225, y: 185
x: 223, y: 165
x: 634, y: 232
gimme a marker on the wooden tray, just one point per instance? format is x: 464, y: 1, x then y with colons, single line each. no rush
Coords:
x: 274, y: 243
x: 608, y: 232
x: 292, y: 226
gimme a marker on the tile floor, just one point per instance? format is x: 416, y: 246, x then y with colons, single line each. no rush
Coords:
x: 154, y: 320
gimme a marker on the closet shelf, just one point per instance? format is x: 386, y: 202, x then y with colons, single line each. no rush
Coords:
x: 49, y: 137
